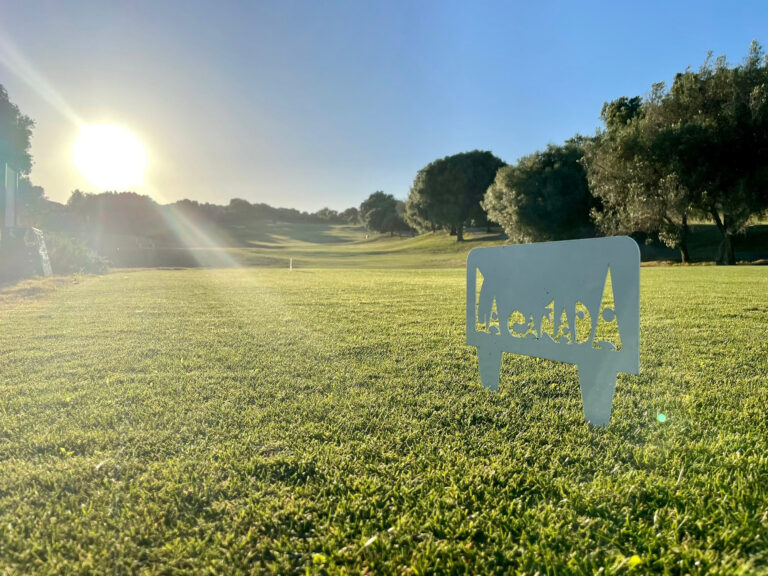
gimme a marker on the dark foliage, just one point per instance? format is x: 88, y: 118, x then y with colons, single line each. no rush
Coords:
x: 447, y: 192
x: 380, y: 212
x: 543, y: 196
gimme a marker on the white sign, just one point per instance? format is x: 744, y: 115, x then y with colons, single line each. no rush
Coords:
x: 576, y: 301
x: 42, y: 250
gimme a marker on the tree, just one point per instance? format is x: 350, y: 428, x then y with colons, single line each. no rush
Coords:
x: 194, y: 212
x: 31, y: 202
x: 400, y: 225
x: 116, y: 213
x: 327, y: 215
x: 699, y: 148
x: 447, y: 192
x: 715, y: 123
x: 350, y: 215
x: 628, y: 173
x: 238, y: 212
x: 15, y: 140
x: 621, y: 111
x: 15, y: 136
x: 416, y: 210
x: 543, y: 196
x: 379, y: 212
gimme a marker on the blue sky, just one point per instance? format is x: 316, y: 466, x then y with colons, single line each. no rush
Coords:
x: 312, y: 104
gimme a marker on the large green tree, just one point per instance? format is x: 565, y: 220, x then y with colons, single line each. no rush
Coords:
x: 380, y: 212
x: 628, y: 173
x: 699, y: 147
x: 715, y: 125
x: 447, y: 192
x: 543, y: 196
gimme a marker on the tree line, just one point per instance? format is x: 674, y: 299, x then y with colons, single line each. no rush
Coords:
x: 695, y: 150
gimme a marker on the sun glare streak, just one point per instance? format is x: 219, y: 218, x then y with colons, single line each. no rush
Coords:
x: 203, y: 245
x: 12, y: 59
x: 95, y: 164
x: 210, y: 253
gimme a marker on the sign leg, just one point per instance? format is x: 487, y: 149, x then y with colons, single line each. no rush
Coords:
x: 489, y: 359
x: 597, y: 386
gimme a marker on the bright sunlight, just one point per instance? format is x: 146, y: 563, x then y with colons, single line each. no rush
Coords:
x: 110, y: 157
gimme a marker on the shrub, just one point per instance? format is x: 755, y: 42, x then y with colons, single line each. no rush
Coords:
x: 71, y: 255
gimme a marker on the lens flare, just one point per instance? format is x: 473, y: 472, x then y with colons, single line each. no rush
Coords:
x: 110, y: 157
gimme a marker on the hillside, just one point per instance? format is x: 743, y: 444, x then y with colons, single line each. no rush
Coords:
x: 313, y: 245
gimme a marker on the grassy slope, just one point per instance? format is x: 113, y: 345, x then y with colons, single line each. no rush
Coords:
x: 348, y: 246
x: 319, y: 245
x: 237, y: 420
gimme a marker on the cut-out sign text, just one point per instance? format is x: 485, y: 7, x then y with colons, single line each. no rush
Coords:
x: 576, y: 301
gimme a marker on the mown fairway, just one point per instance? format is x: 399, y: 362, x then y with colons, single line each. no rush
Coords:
x: 251, y: 420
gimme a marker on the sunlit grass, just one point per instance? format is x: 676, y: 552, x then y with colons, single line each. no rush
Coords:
x: 313, y: 245
x: 227, y: 421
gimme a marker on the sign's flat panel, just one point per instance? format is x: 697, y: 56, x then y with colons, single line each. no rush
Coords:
x: 576, y: 301
x: 42, y: 249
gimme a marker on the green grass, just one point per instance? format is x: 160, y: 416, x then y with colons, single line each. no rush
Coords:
x: 335, y: 246
x: 313, y: 245
x: 331, y: 421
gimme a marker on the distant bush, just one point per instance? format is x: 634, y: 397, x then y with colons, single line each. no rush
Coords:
x: 71, y: 255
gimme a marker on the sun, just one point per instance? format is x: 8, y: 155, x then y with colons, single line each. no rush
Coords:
x: 110, y: 157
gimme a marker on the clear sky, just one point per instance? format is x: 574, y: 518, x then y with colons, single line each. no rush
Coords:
x: 320, y: 103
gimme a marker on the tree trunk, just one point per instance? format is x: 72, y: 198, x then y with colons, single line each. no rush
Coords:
x: 453, y: 230
x: 460, y: 233
x: 684, y: 255
x: 725, y: 252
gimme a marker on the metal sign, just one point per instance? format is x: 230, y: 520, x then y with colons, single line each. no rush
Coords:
x: 576, y: 301
x: 42, y: 250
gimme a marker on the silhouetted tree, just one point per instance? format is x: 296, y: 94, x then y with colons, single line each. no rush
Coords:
x: 238, y: 212
x: 30, y: 202
x: 15, y: 136
x: 350, y: 215
x: 110, y: 213
x: 447, y: 192
x: 379, y: 212
x: 196, y: 212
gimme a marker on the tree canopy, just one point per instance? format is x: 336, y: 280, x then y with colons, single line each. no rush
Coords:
x: 543, y: 196
x: 447, y: 192
x: 381, y: 212
x: 699, y: 147
x: 15, y: 136
x: 627, y: 172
